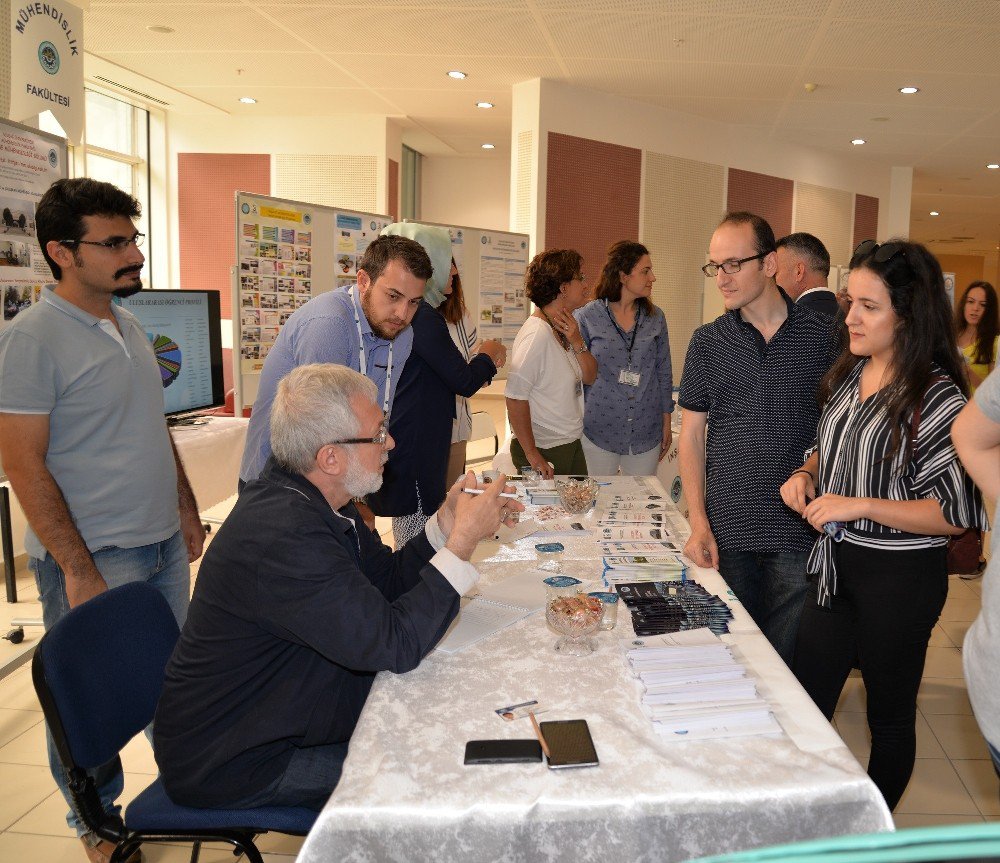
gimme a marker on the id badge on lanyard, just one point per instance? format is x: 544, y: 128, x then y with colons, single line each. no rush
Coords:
x: 629, y: 378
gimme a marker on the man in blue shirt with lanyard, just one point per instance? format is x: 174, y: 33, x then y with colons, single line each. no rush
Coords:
x: 365, y: 327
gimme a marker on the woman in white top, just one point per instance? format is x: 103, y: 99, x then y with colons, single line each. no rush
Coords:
x: 549, y: 365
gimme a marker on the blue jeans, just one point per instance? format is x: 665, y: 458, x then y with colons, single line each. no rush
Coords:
x: 165, y: 566
x: 772, y: 587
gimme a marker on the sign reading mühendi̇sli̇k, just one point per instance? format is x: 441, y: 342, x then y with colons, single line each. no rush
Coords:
x: 46, y: 63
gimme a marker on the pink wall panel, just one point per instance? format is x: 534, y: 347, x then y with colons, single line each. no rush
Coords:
x: 767, y: 196
x: 206, y: 187
x: 592, y: 195
x: 865, y: 218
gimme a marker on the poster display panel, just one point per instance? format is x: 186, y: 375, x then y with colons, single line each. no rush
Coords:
x: 287, y: 252
x: 30, y: 161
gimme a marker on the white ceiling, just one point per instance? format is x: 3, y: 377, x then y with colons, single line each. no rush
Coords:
x: 745, y: 61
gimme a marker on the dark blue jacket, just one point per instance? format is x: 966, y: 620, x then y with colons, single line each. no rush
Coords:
x: 293, y: 614
x: 422, y: 414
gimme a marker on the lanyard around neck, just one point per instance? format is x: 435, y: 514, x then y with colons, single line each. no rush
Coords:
x: 621, y: 333
x: 363, y: 357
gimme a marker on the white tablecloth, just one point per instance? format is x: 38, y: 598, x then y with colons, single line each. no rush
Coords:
x: 406, y: 795
x: 211, y: 455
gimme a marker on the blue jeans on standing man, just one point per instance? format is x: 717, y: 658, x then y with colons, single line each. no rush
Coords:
x: 165, y: 566
x: 772, y: 587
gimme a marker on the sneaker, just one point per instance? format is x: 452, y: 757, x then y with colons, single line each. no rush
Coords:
x: 99, y: 850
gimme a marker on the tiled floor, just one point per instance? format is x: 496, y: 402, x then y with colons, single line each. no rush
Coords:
x: 953, y: 781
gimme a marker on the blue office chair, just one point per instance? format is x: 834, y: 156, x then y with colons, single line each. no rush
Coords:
x: 98, y: 674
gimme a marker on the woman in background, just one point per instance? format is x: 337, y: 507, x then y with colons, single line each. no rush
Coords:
x: 549, y: 366
x: 423, y: 410
x: 627, y: 410
x: 886, y: 482
x: 463, y: 333
x: 977, y: 326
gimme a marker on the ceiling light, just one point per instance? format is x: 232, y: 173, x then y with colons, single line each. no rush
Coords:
x: 248, y: 100
x: 935, y: 213
x: 993, y: 166
x: 857, y: 142
x: 489, y: 146
x: 454, y: 73
x: 484, y: 104
x: 909, y: 91
x: 160, y: 28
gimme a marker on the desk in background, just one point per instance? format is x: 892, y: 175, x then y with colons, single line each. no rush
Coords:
x: 406, y: 795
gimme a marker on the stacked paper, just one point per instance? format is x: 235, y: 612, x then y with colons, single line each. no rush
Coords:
x: 699, y: 691
x: 636, y: 567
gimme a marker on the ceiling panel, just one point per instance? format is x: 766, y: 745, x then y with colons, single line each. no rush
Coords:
x: 300, y: 101
x: 418, y: 72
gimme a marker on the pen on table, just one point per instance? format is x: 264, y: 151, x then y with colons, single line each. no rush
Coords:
x: 538, y: 734
x: 480, y: 491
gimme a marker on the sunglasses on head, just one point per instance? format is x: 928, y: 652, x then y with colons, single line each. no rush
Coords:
x: 880, y: 253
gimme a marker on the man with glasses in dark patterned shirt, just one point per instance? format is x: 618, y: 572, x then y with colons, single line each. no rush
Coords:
x: 748, y: 395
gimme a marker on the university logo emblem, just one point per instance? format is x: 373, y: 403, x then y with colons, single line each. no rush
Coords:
x: 53, y: 158
x: 675, y: 489
x: 48, y: 57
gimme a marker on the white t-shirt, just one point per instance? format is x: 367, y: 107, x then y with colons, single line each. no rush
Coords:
x: 550, y: 379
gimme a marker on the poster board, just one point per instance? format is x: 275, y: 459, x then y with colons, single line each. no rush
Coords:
x: 492, y: 266
x: 286, y: 253
x: 30, y: 161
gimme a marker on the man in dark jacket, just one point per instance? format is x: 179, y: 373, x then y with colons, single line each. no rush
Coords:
x: 298, y: 605
x: 803, y: 271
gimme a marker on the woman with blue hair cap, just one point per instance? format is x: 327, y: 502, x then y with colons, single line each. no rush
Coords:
x: 423, y: 412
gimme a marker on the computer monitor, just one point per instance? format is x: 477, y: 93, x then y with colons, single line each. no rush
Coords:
x: 186, y: 332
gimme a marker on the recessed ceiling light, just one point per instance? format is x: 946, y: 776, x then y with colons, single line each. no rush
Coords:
x: 857, y: 142
x: 454, y: 73
x: 993, y: 166
x: 248, y: 100
x: 909, y: 91
x: 160, y: 28
x: 489, y: 146
x: 935, y: 213
x: 484, y: 104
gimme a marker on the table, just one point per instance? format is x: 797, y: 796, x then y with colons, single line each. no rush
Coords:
x: 211, y: 455
x: 406, y: 795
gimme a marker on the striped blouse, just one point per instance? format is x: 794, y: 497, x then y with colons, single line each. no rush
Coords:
x: 464, y: 335
x: 854, y: 440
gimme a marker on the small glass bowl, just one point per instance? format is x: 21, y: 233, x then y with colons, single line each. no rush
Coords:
x: 574, y: 617
x: 577, y: 495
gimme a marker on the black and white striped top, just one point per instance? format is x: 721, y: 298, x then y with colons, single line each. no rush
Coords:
x: 855, y: 438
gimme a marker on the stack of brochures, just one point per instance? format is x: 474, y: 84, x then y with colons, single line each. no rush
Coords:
x: 696, y: 690
x: 639, y: 567
x: 658, y: 607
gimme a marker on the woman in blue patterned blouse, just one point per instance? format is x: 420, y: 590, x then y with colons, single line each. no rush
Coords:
x: 626, y: 422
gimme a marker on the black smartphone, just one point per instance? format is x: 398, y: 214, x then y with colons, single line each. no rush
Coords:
x: 502, y: 751
x: 570, y: 743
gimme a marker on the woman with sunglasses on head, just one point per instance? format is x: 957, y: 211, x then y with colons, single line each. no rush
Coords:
x: 977, y: 325
x: 886, y: 490
x: 549, y: 366
x: 627, y: 411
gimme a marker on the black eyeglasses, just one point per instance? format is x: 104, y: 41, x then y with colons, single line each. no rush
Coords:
x: 730, y: 268
x: 378, y: 440
x: 116, y: 244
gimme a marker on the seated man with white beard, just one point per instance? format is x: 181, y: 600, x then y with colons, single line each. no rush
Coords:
x: 297, y: 605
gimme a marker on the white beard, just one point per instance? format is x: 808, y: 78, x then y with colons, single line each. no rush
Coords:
x: 358, y: 482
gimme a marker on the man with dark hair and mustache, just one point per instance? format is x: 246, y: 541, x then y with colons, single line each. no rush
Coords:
x: 365, y: 327
x: 82, y: 430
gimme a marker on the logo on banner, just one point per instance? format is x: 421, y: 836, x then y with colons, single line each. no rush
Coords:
x: 48, y: 56
x: 53, y: 158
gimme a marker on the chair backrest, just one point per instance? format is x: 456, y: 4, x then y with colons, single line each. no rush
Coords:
x: 99, y: 671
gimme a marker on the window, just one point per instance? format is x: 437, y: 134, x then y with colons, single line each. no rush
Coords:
x: 117, y: 148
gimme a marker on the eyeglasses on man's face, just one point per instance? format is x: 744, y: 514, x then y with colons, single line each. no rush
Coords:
x: 115, y: 244
x: 378, y: 440
x: 730, y: 267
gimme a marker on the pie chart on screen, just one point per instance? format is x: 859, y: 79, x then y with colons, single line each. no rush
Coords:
x: 168, y: 358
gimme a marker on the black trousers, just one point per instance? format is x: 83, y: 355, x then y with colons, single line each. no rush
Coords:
x: 886, y: 605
